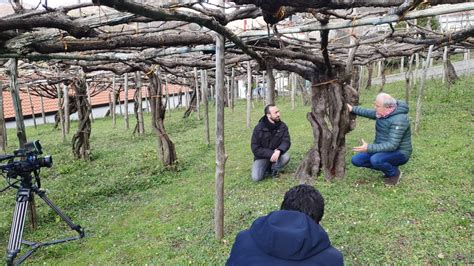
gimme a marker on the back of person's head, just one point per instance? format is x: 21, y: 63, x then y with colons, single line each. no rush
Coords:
x: 305, y: 199
x: 266, y: 110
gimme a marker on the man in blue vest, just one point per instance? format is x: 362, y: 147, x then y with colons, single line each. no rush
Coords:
x: 290, y: 236
x: 392, y: 145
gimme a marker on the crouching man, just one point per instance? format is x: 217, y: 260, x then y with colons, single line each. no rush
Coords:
x: 270, y: 144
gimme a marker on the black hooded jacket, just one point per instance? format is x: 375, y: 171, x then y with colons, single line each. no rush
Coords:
x: 268, y: 137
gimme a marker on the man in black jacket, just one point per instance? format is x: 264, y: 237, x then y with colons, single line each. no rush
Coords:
x: 270, y: 143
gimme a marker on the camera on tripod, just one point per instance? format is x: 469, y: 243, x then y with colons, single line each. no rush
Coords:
x: 29, y: 160
x: 22, y: 170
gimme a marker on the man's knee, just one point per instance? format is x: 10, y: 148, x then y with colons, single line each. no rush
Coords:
x: 257, y: 177
x: 258, y: 169
x: 285, y: 158
x: 376, y: 161
x: 357, y: 161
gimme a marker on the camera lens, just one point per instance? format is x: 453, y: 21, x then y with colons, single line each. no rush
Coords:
x: 46, y: 161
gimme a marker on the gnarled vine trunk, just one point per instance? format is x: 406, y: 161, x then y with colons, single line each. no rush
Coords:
x: 166, y: 149
x: 330, y: 121
x: 80, y: 140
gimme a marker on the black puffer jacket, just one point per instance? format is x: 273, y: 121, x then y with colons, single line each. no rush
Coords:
x: 267, y: 137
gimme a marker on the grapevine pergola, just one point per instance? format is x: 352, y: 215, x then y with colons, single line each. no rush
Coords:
x: 198, y: 43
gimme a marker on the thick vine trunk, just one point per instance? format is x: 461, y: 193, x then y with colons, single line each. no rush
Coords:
x: 166, y: 149
x: 59, y: 118
x: 330, y: 121
x: 138, y: 108
x: 449, y: 72
x: 60, y: 115
x: 80, y: 140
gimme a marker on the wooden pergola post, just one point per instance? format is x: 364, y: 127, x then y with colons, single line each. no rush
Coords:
x: 421, y: 90
x: 198, y: 95
x: 89, y: 99
x: 67, y: 124
x: 3, y: 131
x: 249, y: 93
x: 270, y: 85
x: 127, y: 123
x: 114, y: 104
x: 31, y: 106
x: 60, y: 113
x: 43, y: 115
x: 206, y: 105
x: 15, y: 91
x: 221, y: 157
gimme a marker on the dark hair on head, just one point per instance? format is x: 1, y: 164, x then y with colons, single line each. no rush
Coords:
x: 267, y: 108
x: 305, y: 199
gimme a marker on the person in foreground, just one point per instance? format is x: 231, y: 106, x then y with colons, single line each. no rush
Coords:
x: 392, y: 145
x: 270, y: 144
x: 290, y: 236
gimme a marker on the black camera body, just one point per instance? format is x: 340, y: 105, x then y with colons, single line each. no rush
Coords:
x: 29, y: 160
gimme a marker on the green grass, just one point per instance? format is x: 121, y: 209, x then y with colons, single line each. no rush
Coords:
x: 136, y: 212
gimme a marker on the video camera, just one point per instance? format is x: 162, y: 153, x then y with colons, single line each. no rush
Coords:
x: 22, y: 170
x: 29, y: 160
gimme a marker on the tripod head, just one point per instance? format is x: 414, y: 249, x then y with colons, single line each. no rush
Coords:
x: 23, y: 162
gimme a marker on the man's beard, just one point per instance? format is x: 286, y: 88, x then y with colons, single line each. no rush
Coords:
x: 275, y: 120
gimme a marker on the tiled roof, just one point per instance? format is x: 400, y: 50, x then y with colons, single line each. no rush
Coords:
x: 51, y: 105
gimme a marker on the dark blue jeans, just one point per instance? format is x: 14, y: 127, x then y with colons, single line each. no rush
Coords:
x: 387, y: 162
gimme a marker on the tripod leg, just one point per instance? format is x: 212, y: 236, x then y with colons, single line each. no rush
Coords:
x: 16, y: 231
x: 66, y: 219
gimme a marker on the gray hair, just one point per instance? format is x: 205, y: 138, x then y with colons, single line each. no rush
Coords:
x: 387, y: 100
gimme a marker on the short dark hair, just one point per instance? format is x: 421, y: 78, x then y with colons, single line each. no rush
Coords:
x: 305, y: 199
x: 267, y: 108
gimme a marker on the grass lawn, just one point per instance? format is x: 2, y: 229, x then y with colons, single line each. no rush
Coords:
x: 136, y: 212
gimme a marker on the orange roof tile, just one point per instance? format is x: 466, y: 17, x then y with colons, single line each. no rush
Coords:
x: 51, y: 105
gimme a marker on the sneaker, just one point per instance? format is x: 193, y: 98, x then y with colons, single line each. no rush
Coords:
x: 393, y: 180
x: 275, y: 174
